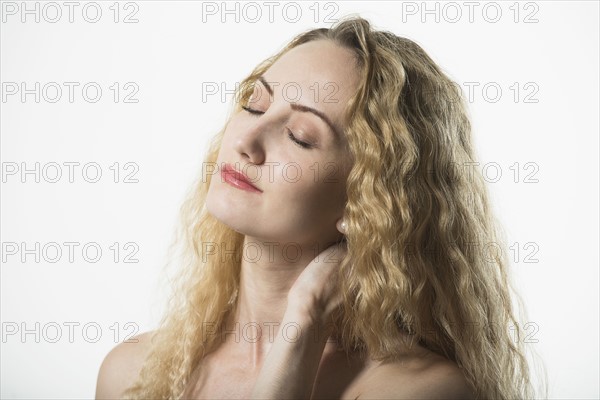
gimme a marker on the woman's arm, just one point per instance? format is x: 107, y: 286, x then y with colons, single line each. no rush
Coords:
x: 290, y: 368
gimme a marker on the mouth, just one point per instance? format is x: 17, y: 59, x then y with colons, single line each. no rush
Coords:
x: 237, y: 179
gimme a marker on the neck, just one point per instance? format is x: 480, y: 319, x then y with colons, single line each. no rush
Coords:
x: 268, y: 271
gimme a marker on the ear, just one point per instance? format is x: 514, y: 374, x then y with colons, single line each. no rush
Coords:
x: 341, y: 226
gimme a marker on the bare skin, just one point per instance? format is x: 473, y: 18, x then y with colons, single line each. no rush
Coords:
x: 313, y: 368
x: 303, y: 212
x: 223, y: 375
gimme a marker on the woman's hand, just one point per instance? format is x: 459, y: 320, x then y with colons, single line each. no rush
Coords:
x: 291, y: 366
x: 315, y: 295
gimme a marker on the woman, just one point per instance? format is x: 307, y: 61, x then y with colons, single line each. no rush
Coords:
x: 335, y: 247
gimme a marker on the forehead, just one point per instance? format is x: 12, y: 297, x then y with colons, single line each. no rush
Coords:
x: 319, y: 74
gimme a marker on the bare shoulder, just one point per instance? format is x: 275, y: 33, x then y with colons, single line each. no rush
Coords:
x: 433, y: 377
x: 121, y: 366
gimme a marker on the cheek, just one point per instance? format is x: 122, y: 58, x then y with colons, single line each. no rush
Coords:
x: 314, y: 198
x: 227, y: 141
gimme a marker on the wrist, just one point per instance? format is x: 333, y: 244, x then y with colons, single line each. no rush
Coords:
x: 309, y: 323
x: 304, y: 311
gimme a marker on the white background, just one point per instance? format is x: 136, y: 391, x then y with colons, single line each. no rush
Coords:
x: 172, y: 52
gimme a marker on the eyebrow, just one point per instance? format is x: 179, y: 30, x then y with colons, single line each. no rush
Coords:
x: 303, y: 108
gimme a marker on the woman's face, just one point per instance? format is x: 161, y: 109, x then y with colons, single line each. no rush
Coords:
x: 301, y: 185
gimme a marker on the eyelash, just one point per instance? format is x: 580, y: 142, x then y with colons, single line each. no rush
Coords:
x: 304, y: 145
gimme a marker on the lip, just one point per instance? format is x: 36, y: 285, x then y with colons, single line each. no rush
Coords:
x: 237, y: 179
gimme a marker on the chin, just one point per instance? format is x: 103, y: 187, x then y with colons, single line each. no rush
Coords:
x: 243, y: 217
x: 219, y: 209
x: 224, y: 218
x: 225, y: 212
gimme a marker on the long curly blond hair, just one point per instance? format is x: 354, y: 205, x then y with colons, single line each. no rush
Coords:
x: 420, y: 233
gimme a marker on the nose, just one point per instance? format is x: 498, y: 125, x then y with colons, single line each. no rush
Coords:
x: 250, y: 142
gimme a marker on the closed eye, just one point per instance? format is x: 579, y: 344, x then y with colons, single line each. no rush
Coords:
x: 252, y: 111
x: 293, y: 138
x: 300, y: 143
